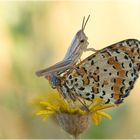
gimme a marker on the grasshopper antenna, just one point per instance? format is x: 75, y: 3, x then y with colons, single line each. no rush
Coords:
x: 85, y: 22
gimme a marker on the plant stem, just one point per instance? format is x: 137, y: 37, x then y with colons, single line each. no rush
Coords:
x: 76, y: 136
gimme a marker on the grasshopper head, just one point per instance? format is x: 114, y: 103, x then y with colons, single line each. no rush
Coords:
x: 81, y: 37
x: 78, y: 44
x: 80, y: 34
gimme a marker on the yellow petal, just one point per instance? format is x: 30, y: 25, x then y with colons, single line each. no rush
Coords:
x: 95, y: 103
x: 77, y: 110
x: 100, y: 107
x: 64, y: 106
x: 96, y: 118
x: 47, y: 104
x: 44, y: 112
x: 104, y: 115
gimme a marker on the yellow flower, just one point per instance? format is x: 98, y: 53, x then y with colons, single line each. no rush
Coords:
x: 73, y: 117
x: 55, y: 104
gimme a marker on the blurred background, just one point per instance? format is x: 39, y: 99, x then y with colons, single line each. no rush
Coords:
x: 36, y: 34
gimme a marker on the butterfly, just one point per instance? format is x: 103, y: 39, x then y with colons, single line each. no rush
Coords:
x: 109, y: 74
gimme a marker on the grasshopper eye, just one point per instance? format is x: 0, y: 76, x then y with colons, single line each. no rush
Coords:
x: 82, y: 40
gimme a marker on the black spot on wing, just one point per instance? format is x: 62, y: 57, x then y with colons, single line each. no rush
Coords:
x: 70, y: 77
x: 92, y: 96
x: 75, y: 79
x: 112, y: 95
x: 87, y: 94
x: 97, y: 68
x: 113, y: 67
x: 101, y: 97
x: 104, y: 93
x: 76, y: 84
x: 110, y: 73
x: 122, y: 89
x: 71, y: 81
x: 130, y: 83
x: 108, y: 101
x: 126, y: 74
x: 130, y: 65
x: 92, y: 62
x: 126, y: 57
x: 87, y: 98
x: 81, y: 88
x: 123, y: 65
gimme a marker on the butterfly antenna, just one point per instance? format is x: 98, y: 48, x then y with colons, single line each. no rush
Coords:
x: 84, y: 25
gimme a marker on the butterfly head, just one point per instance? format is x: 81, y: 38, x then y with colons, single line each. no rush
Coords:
x: 53, y: 79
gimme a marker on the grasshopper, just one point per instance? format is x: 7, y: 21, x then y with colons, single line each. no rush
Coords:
x: 73, y: 54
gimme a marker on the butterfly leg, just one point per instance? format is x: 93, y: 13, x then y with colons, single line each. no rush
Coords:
x: 83, y: 103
